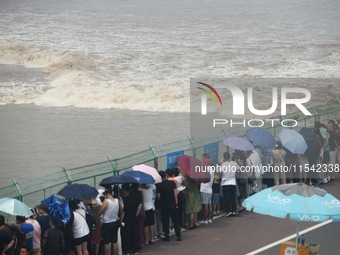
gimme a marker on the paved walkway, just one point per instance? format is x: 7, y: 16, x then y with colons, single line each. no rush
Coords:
x: 248, y: 232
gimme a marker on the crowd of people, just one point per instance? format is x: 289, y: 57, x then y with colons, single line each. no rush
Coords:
x: 131, y: 216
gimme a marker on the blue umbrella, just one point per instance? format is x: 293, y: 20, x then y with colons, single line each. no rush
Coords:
x: 78, y: 191
x: 261, y: 137
x: 300, y: 201
x: 58, y: 208
x: 238, y: 143
x: 140, y: 177
x: 293, y: 141
x: 117, y: 179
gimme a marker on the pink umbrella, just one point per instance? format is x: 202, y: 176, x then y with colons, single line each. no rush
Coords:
x: 193, y: 168
x: 148, y: 170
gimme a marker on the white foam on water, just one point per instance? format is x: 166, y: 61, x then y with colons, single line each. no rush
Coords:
x: 140, y: 56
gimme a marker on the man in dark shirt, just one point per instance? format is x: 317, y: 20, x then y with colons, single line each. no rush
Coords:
x: 332, y: 147
x: 167, y: 193
x: 53, y: 242
x: 6, y: 237
x: 43, y: 218
x: 132, y: 201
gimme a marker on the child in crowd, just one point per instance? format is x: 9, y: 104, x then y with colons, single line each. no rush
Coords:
x: 215, y: 200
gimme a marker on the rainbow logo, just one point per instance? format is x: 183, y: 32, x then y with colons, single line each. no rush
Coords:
x: 210, y: 91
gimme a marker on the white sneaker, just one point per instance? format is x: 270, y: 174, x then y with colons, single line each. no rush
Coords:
x: 209, y: 221
x: 205, y: 222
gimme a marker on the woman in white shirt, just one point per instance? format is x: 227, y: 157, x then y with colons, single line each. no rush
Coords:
x: 80, y: 230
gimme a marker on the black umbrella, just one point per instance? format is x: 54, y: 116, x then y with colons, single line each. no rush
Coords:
x: 78, y: 191
x: 117, y: 179
x: 313, y: 143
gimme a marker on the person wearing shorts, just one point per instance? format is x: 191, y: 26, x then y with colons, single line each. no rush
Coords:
x: 215, y: 199
x: 110, y: 211
x: 206, y: 193
x: 80, y: 230
x: 149, y: 197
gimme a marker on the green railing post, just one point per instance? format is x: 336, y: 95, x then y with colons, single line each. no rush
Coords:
x: 16, y: 185
x: 67, y: 175
x: 114, y: 170
x: 155, y: 159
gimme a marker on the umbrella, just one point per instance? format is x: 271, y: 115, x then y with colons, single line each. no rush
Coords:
x: 149, y: 170
x: 194, y: 168
x: 117, y: 179
x: 313, y: 143
x: 14, y: 207
x: 300, y: 201
x: 261, y: 137
x: 293, y: 141
x: 78, y: 191
x: 238, y: 143
x: 58, y: 208
x: 140, y: 177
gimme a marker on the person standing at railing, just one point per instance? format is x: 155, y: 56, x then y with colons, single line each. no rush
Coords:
x: 110, y: 211
x: 337, y: 144
x: 6, y: 238
x: 278, y: 155
x: 228, y: 184
x: 36, y: 235
x: 149, y: 196
x: 167, y: 194
x: 206, y: 191
x: 43, y: 218
x: 27, y: 229
x: 53, y: 242
x: 332, y: 148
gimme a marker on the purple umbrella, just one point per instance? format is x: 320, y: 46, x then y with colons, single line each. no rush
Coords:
x: 238, y: 143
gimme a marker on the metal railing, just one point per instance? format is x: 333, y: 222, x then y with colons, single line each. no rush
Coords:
x: 32, y: 191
